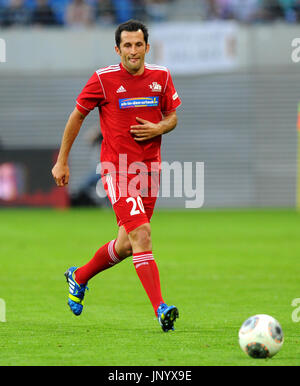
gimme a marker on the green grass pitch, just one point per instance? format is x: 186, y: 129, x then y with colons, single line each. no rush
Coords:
x: 218, y: 267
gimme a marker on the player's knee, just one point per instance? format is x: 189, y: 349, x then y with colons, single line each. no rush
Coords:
x: 125, y: 249
x: 141, y: 237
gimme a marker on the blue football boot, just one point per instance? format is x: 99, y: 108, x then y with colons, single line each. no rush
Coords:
x: 166, y: 316
x: 76, y: 292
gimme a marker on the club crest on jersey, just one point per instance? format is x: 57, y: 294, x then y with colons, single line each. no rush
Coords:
x: 138, y: 102
x: 155, y: 87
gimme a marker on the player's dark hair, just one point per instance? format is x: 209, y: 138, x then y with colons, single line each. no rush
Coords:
x: 131, y: 26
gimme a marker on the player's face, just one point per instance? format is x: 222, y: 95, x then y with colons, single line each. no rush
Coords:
x: 132, y: 51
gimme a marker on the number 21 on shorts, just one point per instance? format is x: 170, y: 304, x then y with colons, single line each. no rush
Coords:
x: 137, y: 205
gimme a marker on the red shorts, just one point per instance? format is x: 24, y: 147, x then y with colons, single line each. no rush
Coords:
x: 133, y: 197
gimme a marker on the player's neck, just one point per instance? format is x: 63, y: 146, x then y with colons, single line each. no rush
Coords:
x: 139, y: 72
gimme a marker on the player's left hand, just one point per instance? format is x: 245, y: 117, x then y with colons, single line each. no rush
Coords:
x: 145, y: 130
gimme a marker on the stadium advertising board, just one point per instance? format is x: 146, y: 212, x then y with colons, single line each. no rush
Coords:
x: 196, y: 48
x: 25, y: 179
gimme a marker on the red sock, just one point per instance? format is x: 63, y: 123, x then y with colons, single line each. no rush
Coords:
x: 148, y: 274
x: 104, y: 258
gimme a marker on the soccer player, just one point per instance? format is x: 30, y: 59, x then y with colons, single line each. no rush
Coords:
x: 137, y: 104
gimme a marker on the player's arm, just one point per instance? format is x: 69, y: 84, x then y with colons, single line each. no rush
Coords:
x: 60, y: 170
x: 147, y: 130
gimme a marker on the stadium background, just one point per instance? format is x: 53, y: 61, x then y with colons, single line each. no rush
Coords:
x: 239, y: 120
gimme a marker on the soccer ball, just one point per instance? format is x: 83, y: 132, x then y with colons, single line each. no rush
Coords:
x: 261, y: 336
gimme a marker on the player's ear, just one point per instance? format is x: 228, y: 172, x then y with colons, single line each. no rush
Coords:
x: 147, y: 48
x: 117, y: 49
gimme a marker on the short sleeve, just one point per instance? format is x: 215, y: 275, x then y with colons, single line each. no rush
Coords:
x: 91, y: 96
x: 170, y: 99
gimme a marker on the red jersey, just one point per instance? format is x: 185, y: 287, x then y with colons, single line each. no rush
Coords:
x: 120, y: 98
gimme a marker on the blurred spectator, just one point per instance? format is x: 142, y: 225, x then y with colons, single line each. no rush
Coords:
x: 1, y: 14
x: 248, y: 10
x: 244, y: 10
x: 289, y: 10
x: 79, y: 14
x: 210, y: 9
x: 43, y: 14
x: 219, y: 9
x: 297, y: 9
x: 271, y: 10
x: 59, y: 7
x: 157, y: 10
x: 124, y: 10
x: 139, y: 10
x: 16, y: 14
x: 105, y: 13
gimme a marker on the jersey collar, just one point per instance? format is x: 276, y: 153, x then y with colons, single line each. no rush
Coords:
x: 125, y: 72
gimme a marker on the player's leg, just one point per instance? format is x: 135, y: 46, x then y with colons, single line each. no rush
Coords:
x: 148, y: 273
x: 123, y: 245
x: 106, y: 257
x: 144, y: 263
x: 112, y: 252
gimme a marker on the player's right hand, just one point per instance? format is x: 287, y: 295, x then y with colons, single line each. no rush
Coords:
x: 61, y: 174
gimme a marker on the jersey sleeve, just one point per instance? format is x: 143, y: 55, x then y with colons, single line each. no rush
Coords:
x: 170, y: 99
x: 91, y: 96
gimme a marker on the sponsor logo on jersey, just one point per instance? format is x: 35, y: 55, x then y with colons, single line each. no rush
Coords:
x: 138, y: 102
x: 155, y: 87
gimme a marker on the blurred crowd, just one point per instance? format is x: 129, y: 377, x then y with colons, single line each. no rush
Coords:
x: 84, y: 13
x: 251, y: 11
